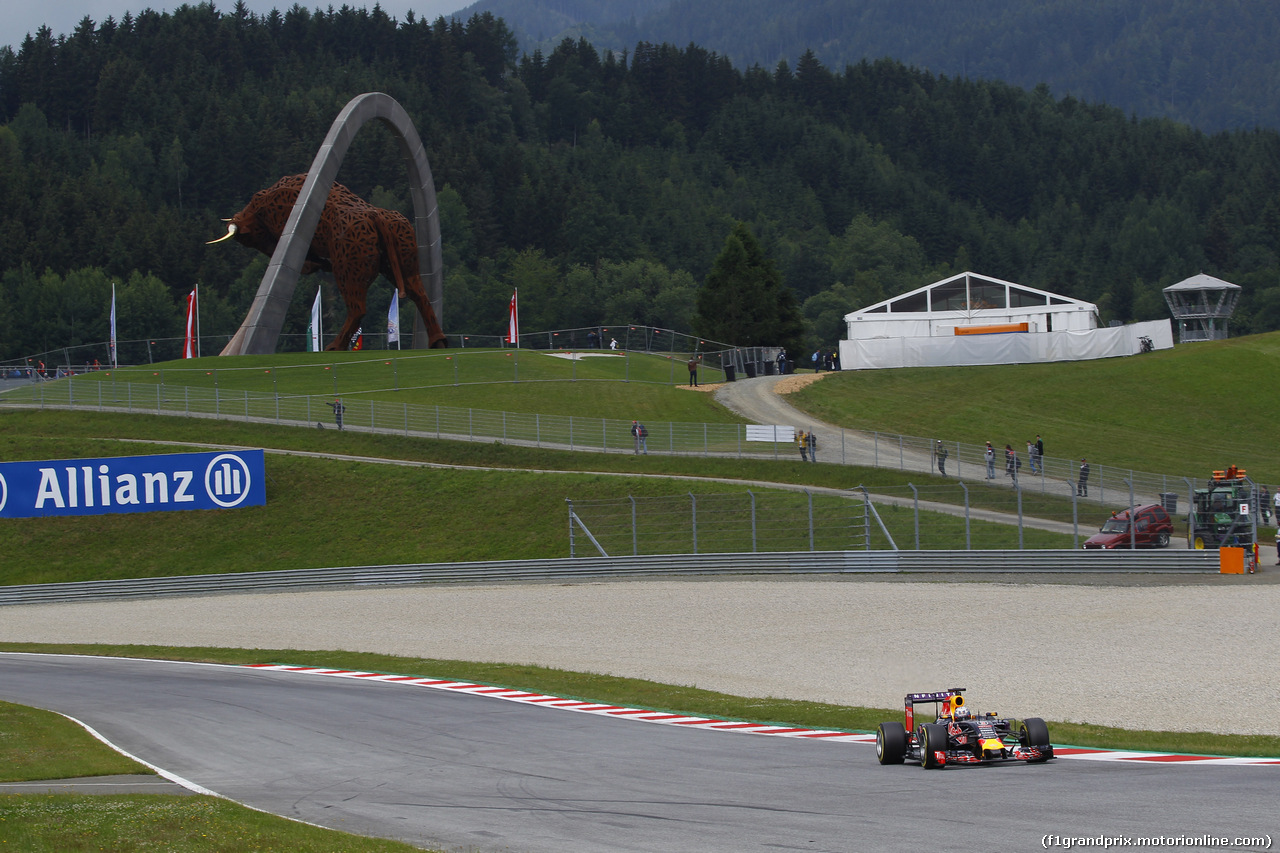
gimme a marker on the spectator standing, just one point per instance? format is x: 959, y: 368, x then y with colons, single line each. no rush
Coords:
x: 1039, y: 449
x: 693, y: 372
x: 1033, y: 457
x: 641, y: 434
x: 1264, y: 502
x: 1082, y: 485
x: 613, y: 344
x: 816, y: 358
x: 1011, y: 463
x: 802, y: 441
x: 338, y: 409
x: 990, y: 455
x: 782, y: 362
x: 1276, y: 505
x: 941, y: 453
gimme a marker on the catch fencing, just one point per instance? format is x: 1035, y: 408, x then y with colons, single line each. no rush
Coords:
x: 726, y: 523
x: 1107, y: 485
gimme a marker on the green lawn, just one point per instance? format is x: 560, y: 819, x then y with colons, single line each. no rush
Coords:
x: 1197, y: 407
x: 37, y: 745
x: 327, y: 513
x: 626, y: 385
x: 1187, y: 411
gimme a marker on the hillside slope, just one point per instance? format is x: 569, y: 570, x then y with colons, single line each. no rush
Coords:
x: 1212, y: 65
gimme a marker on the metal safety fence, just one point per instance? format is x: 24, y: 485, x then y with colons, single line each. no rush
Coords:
x: 910, y: 517
x: 726, y: 523
x: 592, y: 569
x: 965, y: 463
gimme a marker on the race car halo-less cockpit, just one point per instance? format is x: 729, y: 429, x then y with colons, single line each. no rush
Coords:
x: 958, y: 736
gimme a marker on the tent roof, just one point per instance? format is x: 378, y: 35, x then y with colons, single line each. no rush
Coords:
x: 1202, y: 282
x: 969, y: 283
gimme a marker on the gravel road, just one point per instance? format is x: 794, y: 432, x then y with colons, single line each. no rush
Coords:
x: 1176, y: 656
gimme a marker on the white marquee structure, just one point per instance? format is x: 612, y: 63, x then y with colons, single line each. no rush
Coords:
x: 977, y: 319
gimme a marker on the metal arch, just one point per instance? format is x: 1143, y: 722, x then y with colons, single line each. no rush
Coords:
x: 260, y: 331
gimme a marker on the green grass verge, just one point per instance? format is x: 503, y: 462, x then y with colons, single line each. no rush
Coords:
x: 1189, y: 410
x: 125, y: 823
x: 326, y: 512
x: 37, y: 745
x: 633, y: 692
x: 627, y: 386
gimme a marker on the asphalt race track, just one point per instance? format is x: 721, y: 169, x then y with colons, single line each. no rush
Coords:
x: 460, y: 771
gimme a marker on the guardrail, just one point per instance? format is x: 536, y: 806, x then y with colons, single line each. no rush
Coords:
x: 595, y: 568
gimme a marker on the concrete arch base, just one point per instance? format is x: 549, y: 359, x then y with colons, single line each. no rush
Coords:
x: 260, y: 331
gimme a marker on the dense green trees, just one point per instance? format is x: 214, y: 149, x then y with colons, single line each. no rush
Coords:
x: 744, y: 301
x: 604, y: 186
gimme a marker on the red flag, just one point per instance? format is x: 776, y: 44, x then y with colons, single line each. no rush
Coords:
x: 189, y: 345
x: 357, y: 340
x: 513, y: 323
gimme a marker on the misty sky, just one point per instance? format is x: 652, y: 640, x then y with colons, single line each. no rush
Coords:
x: 23, y: 16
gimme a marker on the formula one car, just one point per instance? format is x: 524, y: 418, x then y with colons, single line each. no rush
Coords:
x: 957, y: 736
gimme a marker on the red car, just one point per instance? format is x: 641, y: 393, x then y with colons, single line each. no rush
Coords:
x: 1152, y: 530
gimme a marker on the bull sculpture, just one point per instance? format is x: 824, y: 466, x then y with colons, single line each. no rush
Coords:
x: 353, y: 240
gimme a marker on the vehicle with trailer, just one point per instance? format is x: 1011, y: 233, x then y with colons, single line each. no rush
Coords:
x: 1221, y: 514
x: 1152, y: 528
x: 958, y: 736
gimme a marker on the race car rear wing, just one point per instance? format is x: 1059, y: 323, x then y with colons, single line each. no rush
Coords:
x: 917, y: 698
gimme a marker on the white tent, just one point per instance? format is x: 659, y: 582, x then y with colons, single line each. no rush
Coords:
x: 977, y: 319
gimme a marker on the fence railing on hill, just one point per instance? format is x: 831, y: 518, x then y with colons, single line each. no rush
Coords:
x: 625, y: 338
x: 1108, y: 485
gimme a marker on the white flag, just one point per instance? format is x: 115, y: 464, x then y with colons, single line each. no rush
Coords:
x: 112, y: 345
x: 393, y: 320
x: 513, y: 322
x: 313, y: 330
x: 189, y: 344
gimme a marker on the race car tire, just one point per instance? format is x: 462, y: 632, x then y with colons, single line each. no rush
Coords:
x: 891, y: 743
x: 1162, y: 540
x: 933, y: 738
x: 1036, y: 733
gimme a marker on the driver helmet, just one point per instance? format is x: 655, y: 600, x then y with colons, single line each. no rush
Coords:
x: 962, y: 711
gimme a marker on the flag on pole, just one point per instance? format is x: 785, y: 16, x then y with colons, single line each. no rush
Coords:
x: 111, y: 345
x: 189, y: 345
x: 313, y: 329
x: 513, y: 322
x: 357, y: 340
x: 393, y: 320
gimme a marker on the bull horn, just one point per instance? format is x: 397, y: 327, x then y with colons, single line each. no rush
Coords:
x: 231, y: 232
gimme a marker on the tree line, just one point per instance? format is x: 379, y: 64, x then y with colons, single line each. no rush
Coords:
x: 604, y: 185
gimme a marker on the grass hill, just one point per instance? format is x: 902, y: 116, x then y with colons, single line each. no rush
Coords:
x: 1184, y: 411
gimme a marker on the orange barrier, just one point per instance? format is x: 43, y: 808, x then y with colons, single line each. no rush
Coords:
x: 1231, y: 561
x: 1002, y: 329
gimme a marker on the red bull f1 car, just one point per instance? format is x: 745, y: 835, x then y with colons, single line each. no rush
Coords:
x: 958, y: 736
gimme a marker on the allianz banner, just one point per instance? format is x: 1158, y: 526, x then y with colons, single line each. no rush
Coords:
x: 222, y: 480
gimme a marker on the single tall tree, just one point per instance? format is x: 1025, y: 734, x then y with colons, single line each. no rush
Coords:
x: 744, y: 301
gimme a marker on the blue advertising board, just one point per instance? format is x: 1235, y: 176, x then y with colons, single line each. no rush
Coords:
x: 173, y: 481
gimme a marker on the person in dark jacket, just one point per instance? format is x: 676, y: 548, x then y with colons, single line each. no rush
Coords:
x: 1082, y: 486
x: 338, y: 409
